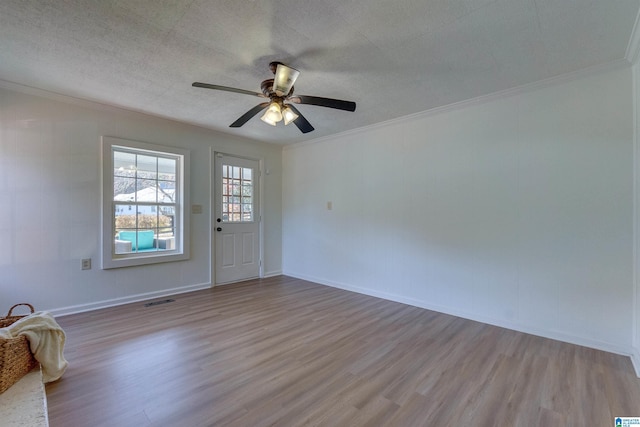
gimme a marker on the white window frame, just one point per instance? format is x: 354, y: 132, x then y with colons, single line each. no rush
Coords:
x: 181, y: 252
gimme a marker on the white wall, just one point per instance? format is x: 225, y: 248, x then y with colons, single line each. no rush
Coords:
x: 50, y: 203
x: 516, y: 211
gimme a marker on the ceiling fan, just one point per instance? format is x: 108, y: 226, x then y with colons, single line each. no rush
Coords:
x: 279, y: 91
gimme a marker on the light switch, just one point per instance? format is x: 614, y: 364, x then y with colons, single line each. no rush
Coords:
x: 329, y: 206
x: 196, y: 209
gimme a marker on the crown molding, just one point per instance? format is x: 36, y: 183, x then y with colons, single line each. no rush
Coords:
x: 55, y: 96
x: 483, y: 99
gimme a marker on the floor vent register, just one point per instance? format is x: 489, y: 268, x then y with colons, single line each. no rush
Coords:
x: 164, y: 301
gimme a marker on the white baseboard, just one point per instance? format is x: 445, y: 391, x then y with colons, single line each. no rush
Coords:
x: 267, y: 274
x: 634, y: 354
x: 126, y: 300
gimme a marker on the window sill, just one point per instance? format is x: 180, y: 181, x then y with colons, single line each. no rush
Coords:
x: 140, y: 258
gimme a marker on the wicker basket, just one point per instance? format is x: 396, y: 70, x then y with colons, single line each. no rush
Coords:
x: 16, y: 359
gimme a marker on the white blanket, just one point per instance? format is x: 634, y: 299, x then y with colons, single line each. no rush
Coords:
x: 46, y: 339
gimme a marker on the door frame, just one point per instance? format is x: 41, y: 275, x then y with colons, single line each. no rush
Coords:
x: 213, y: 155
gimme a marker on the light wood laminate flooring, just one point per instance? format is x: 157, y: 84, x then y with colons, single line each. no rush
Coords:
x: 287, y: 352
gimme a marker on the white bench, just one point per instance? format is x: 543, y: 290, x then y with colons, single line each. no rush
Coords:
x: 24, y: 404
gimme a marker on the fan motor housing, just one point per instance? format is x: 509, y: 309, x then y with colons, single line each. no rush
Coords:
x: 267, y: 89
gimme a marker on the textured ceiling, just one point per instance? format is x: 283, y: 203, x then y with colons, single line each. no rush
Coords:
x: 392, y: 57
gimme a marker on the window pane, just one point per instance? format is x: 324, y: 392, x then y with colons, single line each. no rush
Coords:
x: 146, y: 217
x: 147, y: 167
x: 124, y: 164
x: 225, y: 187
x: 125, y: 217
x: 166, y: 192
x: 247, y: 214
x: 247, y: 190
x: 167, y: 168
x: 166, y: 224
x: 124, y: 189
x: 146, y: 191
x: 246, y: 173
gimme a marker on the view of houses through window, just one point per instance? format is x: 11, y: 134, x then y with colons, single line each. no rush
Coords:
x: 144, y: 196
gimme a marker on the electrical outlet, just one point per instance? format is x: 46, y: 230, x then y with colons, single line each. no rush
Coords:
x: 86, y: 264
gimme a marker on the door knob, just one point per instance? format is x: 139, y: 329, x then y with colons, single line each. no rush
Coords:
x: 218, y: 220
x: 219, y: 229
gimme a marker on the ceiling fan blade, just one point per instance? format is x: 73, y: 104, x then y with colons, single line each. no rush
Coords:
x: 302, y: 123
x: 324, y: 102
x: 248, y: 115
x: 284, y: 79
x: 227, y: 88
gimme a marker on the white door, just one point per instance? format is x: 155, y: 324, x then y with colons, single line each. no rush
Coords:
x: 237, y: 219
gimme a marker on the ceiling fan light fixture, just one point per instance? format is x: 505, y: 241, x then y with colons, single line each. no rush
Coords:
x: 273, y: 114
x: 284, y: 79
x: 288, y: 115
x: 267, y: 120
x: 277, y: 91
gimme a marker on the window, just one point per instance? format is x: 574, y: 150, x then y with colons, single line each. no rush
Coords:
x: 145, y: 192
x: 237, y: 194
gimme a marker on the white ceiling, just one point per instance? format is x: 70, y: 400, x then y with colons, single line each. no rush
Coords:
x: 392, y: 57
